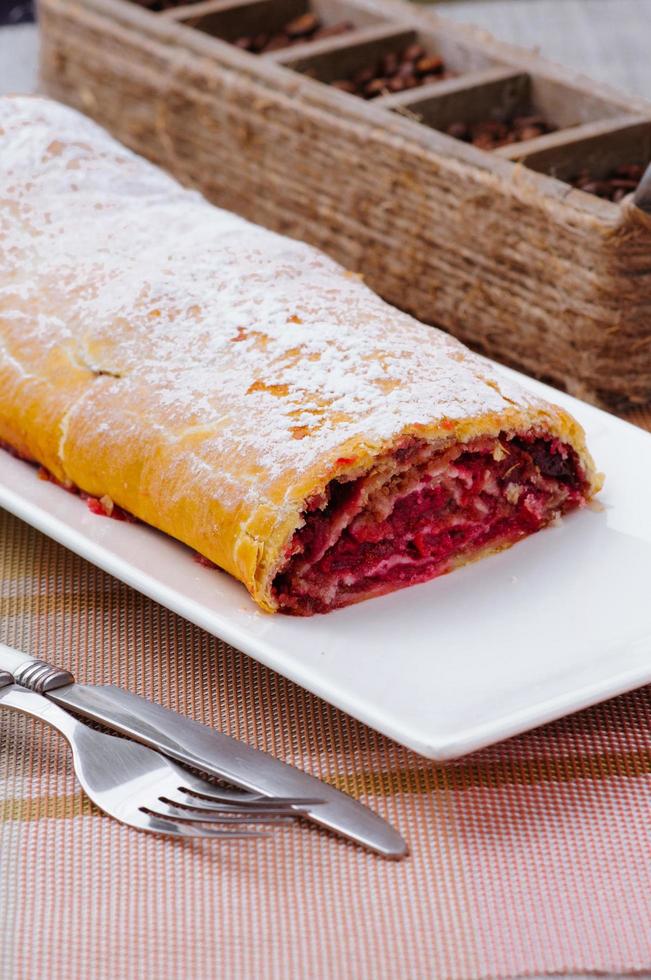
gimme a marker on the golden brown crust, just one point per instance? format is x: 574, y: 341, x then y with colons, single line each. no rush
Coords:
x: 205, y: 374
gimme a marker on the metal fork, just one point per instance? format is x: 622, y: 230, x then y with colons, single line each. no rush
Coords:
x: 146, y: 790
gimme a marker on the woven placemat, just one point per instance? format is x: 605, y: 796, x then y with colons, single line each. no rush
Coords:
x: 530, y: 857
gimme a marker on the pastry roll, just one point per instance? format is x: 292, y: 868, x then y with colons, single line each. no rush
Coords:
x: 244, y: 393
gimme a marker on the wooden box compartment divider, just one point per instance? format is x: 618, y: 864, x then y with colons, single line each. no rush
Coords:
x: 348, y: 123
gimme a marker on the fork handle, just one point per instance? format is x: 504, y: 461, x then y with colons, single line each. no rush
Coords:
x: 13, y: 697
x: 16, y: 698
x: 31, y: 672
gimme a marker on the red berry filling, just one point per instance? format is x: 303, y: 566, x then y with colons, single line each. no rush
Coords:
x: 420, y: 512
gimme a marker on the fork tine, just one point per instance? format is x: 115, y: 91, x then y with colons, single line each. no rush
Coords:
x: 161, y: 824
x: 194, y: 805
x: 167, y: 808
x: 203, y: 790
x: 200, y: 786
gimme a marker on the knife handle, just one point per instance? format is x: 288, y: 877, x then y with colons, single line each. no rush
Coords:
x: 31, y: 672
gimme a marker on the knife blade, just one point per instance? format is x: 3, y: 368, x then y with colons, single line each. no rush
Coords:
x: 196, y: 745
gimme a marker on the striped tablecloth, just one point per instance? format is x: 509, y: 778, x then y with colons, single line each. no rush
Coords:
x: 530, y: 858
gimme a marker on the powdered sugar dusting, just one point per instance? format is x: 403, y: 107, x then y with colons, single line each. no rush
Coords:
x: 245, y: 342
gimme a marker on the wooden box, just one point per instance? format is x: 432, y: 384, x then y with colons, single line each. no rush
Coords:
x: 495, y: 246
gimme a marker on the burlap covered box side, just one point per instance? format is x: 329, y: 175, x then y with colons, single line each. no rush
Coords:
x: 514, y: 268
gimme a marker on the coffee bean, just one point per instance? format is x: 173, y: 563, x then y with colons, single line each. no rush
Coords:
x: 277, y: 43
x: 378, y: 86
x: 302, y: 26
x: 396, y: 84
x: 245, y: 43
x: 429, y: 65
x: 529, y: 132
x: 345, y: 85
x: 484, y: 142
x: 333, y: 30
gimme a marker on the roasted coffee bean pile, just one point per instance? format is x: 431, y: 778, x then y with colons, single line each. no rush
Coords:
x: 395, y: 72
x: 614, y: 186
x: 306, y: 27
x: 488, y: 134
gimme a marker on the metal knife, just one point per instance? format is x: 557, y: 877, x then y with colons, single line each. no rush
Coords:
x: 196, y: 745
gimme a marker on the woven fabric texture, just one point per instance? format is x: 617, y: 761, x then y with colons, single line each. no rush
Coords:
x: 527, y: 858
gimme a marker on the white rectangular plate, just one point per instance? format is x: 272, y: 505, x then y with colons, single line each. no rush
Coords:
x: 559, y: 622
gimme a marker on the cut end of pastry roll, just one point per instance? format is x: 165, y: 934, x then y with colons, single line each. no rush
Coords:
x: 424, y: 509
